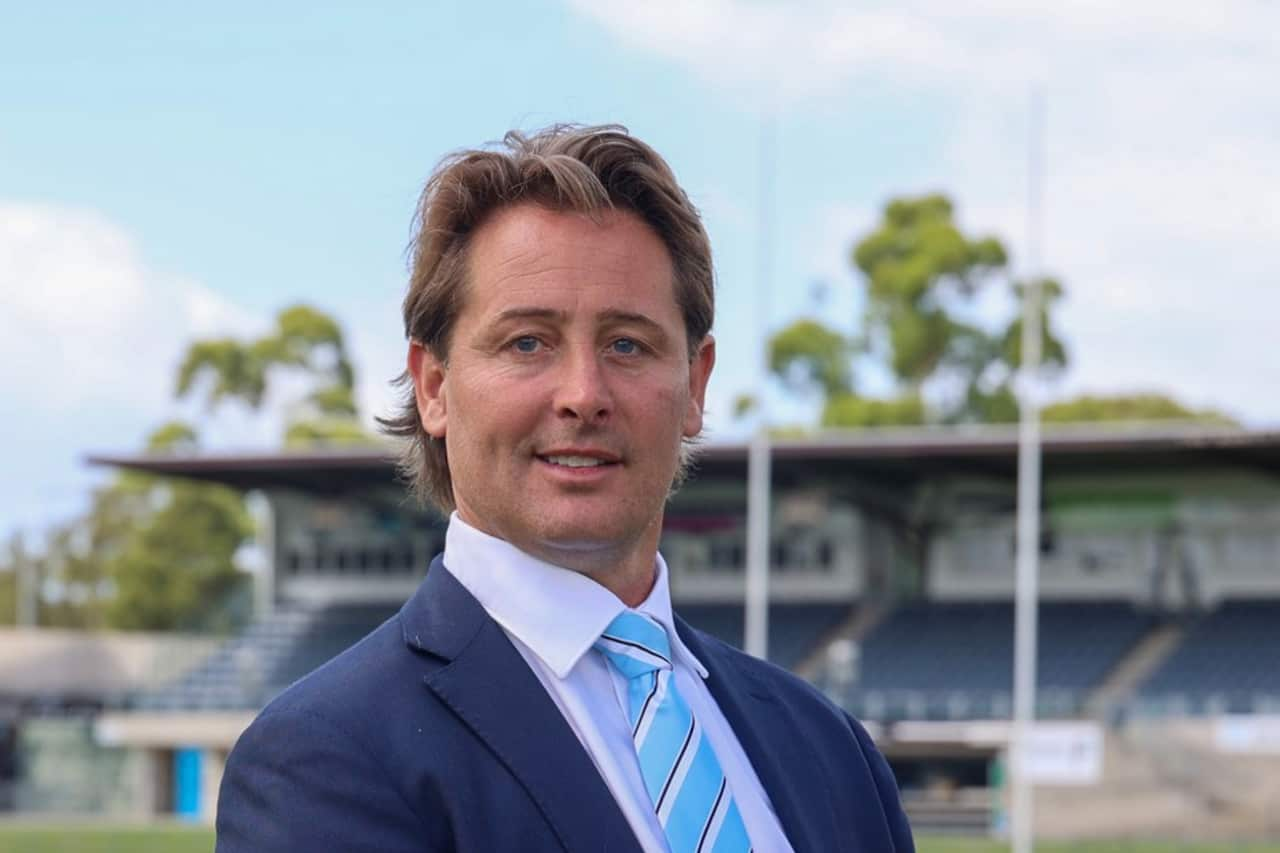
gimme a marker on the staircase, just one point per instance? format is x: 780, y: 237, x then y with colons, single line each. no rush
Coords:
x: 239, y: 675
x: 1145, y: 658
x: 861, y: 622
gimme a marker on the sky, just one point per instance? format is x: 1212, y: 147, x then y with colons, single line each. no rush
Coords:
x: 176, y: 171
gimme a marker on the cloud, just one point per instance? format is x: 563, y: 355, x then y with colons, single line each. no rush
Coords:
x: 787, y: 51
x: 85, y: 321
x: 1162, y: 187
x: 90, y: 338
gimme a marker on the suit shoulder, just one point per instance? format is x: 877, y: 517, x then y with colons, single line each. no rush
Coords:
x: 334, y: 689
x: 317, y: 769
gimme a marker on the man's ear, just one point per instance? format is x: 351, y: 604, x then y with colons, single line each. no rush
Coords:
x: 428, y: 389
x: 699, y: 374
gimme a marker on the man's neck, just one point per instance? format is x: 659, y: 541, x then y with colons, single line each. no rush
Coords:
x: 627, y: 573
x: 627, y: 569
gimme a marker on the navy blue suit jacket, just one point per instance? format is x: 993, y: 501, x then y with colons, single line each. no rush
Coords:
x: 432, y: 734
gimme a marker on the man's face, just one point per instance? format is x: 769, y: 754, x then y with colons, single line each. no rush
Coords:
x: 568, y: 385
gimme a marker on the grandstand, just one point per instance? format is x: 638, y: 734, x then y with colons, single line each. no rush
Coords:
x: 954, y: 660
x: 1227, y: 662
x: 891, y: 589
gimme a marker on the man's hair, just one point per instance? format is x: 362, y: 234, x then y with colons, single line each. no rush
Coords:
x: 569, y: 168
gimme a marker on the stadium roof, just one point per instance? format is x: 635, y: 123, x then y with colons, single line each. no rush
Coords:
x: 896, y: 453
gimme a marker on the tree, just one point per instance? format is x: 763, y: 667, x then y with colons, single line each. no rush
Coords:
x: 157, y: 553
x: 305, y: 341
x: 150, y: 553
x: 178, y: 557
x: 9, y: 561
x: 1131, y: 408
x: 809, y: 357
x: 180, y: 561
x: 915, y: 262
x: 922, y: 277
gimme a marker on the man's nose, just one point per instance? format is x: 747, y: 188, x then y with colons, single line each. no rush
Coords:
x: 584, y: 392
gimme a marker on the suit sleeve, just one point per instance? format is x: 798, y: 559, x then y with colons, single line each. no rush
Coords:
x: 887, y: 788
x: 296, y: 782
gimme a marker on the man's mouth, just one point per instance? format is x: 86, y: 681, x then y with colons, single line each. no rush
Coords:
x: 575, y: 461
x: 579, y: 458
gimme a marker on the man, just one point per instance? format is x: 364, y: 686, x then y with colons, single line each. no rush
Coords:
x: 537, y: 693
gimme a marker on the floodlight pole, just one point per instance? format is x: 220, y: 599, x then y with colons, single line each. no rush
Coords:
x: 759, y: 467
x: 1028, y: 524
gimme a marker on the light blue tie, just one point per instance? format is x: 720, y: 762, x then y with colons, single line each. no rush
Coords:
x: 681, y: 773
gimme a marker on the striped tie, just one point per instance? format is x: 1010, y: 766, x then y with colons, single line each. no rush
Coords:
x: 681, y: 773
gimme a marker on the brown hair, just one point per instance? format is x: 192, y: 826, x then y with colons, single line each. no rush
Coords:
x: 564, y: 168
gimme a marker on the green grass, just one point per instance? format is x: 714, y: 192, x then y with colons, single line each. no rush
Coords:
x: 947, y: 845
x: 37, y: 838
x: 168, y: 838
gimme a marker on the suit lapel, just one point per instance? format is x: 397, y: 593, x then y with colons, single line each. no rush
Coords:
x: 784, y: 764
x: 492, y: 690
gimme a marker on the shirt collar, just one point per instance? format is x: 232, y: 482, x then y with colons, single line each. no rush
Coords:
x: 556, y: 612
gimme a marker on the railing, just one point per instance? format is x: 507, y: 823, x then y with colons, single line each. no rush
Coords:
x: 892, y: 704
x: 962, y: 811
x: 1200, y: 703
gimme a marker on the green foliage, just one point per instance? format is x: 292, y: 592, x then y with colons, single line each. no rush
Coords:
x: 914, y: 263
x: 922, y: 273
x: 8, y: 593
x: 1053, y: 353
x: 998, y: 406
x: 73, y: 568
x: 920, y: 270
x: 807, y: 355
x: 304, y: 339
x: 334, y: 400
x: 238, y: 371
x: 159, y: 554
x: 150, y: 553
x: 743, y: 405
x: 850, y: 410
x: 325, y: 431
x: 173, y: 437
x: 917, y: 245
x: 179, y: 559
x: 1130, y: 407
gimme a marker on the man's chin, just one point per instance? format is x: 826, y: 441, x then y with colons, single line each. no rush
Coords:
x: 585, y: 540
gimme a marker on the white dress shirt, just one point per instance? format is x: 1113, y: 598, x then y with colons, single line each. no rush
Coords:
x: 553, y: 617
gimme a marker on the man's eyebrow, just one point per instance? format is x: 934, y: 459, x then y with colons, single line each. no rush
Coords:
x: 528, y: 313
x: 631, y: 317
x: 612, y: 316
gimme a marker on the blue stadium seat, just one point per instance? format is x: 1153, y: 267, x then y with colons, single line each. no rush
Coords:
x: 795, y: 630
x: 955, y: 659
x: 1226, y: 662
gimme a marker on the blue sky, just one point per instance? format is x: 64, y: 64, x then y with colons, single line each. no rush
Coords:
x: 168, y: 171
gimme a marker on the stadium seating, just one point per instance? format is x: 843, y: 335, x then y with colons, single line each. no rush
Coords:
x: 925, y: 660
x: 247, y: 671
x: 273, y: 653
x: 1225, y: 663
x: 795, y: 630
x: 955, y: 659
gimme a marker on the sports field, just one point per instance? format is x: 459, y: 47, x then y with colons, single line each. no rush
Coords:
x: 33, y: 838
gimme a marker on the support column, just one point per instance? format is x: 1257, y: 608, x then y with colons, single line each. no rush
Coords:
x: 215, y: 761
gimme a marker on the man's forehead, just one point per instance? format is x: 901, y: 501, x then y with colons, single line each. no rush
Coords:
x: 527, y: 232
x: 530, y: 260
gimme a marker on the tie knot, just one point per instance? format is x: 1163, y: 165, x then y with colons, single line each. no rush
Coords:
x: 635, y: 644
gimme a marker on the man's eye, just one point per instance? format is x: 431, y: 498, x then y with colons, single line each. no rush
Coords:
x: 526, y: 344
x: 625, y: 346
